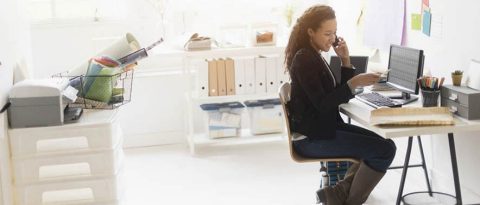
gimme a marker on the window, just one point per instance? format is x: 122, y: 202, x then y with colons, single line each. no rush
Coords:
x: 68, y: 10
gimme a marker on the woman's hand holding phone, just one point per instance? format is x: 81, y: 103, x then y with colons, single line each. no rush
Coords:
x: 335, y: 44
x: 340, y: 47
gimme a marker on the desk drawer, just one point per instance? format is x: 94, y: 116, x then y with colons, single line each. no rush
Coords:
x: 460, y: 94
x: 460, y: 110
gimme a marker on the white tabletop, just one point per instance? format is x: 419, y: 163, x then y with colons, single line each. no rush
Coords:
x: 360, y: 112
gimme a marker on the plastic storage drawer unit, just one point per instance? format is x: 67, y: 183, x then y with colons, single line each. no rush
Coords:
x: 94, y: 131
x: 46, y: 168
x: 101, y: 190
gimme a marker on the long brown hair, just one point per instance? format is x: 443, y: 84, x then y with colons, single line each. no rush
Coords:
x: 311, y: 18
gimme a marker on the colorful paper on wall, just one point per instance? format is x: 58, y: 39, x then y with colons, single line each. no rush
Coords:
x: 425, y: 8
x: 426, y: 2
x: 427, y: 19
x: 416, y: 22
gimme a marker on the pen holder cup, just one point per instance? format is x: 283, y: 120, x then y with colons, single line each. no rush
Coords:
x: 430, y: 98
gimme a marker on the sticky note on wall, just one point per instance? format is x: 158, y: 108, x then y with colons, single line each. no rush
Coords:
x: 426, y: 2
x: 416, y: 22
x: 427, y: 19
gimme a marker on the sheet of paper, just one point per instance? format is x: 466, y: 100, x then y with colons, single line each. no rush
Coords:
x: 416, y: 22
x: 473, y: 79
x: 427, y: 19
x: 384, y: 21
x: 426, y: 2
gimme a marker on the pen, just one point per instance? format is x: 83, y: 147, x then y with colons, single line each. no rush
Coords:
x: 441, y: 82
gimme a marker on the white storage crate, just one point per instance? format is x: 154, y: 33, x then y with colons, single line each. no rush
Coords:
x: 265, y: 116
x: 46, y: 168
x: 100, y: 190
x: 223, y: 119
x: 95, y: 130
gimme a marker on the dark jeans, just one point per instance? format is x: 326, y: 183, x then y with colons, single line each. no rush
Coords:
x: 354, y: 142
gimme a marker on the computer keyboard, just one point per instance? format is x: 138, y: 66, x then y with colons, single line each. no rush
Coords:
x: 377, y: 100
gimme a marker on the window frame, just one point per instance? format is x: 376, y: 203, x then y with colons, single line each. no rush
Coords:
x: 83, y: 20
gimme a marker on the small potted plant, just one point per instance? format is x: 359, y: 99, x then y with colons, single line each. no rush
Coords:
x: 457, y: 77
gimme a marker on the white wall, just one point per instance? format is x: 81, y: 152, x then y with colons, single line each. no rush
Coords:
x: 459, y: 42
x: 14, y: 50
x: 154, y: 111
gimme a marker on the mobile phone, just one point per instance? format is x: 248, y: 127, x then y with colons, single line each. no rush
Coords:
x: 335, y: 44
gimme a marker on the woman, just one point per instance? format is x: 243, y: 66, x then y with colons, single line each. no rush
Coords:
x: 313, y: 108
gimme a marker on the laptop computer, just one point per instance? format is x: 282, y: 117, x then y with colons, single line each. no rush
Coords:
x: 359, y: 62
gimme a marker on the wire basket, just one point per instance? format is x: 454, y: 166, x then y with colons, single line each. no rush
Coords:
x: 109, y: 88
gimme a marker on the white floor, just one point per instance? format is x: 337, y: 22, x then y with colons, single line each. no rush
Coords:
x: 241, y: 174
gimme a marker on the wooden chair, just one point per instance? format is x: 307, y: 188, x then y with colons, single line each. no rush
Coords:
x: 284, y: 93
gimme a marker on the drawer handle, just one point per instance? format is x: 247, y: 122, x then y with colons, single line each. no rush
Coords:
x: 453, y: 109
x: 453, y: 97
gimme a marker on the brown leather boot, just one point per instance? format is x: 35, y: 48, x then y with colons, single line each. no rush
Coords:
x: 363, y: 184
x: 337, y: 194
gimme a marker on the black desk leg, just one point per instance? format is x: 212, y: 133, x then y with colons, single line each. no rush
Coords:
x: 404, y: 172
x: 453, y: 157
x: 349, y: 120
x: 424, y: 166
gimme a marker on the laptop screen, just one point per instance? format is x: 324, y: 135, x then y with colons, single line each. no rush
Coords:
x: 359, y: 62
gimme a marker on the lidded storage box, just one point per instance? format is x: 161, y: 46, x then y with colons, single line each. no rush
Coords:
x: 265, y: 116
x: 223, y: 119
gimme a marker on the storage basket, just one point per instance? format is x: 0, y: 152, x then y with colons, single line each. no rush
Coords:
x: 101, y: 87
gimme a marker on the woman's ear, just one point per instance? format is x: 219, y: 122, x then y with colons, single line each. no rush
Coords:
x: 310, y: 32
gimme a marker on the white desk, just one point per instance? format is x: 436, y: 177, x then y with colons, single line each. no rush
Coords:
x: 360, y: 112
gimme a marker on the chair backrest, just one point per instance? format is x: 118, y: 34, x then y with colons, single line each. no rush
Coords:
x: 284, y: 94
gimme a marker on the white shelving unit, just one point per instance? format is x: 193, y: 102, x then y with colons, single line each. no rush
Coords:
x: 193, y: 100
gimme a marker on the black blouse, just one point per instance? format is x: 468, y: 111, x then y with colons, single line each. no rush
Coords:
x: 315, y: 97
